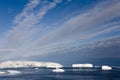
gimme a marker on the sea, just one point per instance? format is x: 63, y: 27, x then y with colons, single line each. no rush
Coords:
x: 36, y: 73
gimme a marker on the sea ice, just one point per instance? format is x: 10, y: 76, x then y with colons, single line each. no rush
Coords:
x: 2, y: 72
x: 58, y: 70
x: 13, y: 72
x: 16, y: 64
x: 105, y: 67
x: 82, y: 65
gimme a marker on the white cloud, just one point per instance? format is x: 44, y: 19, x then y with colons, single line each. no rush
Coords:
x: 80, y: 27
x: 84, y: 26
x: 91, y: 23
x: 8, y: 50
x: 25, y: 25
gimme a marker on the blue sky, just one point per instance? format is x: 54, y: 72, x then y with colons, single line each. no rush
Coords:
x: 65, y: 31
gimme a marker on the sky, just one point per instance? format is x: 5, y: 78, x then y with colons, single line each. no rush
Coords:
x: 63, y: 31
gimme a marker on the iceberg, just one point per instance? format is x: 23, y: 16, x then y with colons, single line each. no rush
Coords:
x: 105, y: 67
x: 83, y: 65
x: 19, y: 64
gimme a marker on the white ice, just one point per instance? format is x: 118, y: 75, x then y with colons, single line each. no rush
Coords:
x: 82, y: 65
x: 13, y: 72
x: 105, y: 67
x: 16, y: 64
x: 58, y: 70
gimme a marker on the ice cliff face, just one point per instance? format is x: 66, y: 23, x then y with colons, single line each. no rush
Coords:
x: 16, y: 64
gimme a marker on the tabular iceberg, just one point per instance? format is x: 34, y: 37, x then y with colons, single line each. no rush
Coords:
x: 17, y: 64
x: 83, y: 65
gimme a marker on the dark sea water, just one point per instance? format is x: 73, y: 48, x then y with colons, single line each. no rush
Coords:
x: 69, y: 74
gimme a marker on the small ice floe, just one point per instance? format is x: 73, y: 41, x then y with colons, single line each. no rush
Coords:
x: 83, y: 65
x: 58, y: 70
x: 105, y: 67
x: 13, y: 72
x: 2, y: 72
x: 36, y: 68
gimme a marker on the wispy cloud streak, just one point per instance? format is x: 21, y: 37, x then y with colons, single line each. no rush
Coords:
x: 24, y: 23
x: 94, y: 22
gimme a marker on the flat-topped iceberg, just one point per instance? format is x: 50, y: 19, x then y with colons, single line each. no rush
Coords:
x: 83, y: 65
x: 17, y: 64
x: 105, y: 67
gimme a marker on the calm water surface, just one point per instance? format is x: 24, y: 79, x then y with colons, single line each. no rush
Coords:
x: 69, y: 74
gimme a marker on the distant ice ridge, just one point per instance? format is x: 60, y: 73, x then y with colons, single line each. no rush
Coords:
x: 83, y: 65
x: 105, y: 67
x: 17, y: 64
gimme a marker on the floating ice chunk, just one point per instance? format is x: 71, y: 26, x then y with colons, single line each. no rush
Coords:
x: 36, y: 68
x: 13, y: 72
x: 82, y: 65
x: 2, y: 72
x: 58, y: 70
x: 105, y: 67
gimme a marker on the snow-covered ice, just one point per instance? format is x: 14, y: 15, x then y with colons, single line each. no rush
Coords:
x: 58, y: 70
x: 2, y: 72
x: 105, y: 67
x: 82, y: 65
x: 17, y: 64
x: 13, y: 72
